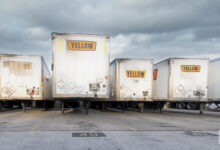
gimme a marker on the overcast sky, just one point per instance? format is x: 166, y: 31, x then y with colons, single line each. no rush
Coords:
x: 155, y: 29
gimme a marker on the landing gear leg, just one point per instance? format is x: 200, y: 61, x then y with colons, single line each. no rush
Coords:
x: 33, y: 104
x: 161, y: 104
x: 123, y: 107
x: 62, y: 105
x: 103, y: 106
x: 86, y: 104
x: 23, y: 105
x: 201, y: 108
x: 141, y: 106
x: 44, y: 105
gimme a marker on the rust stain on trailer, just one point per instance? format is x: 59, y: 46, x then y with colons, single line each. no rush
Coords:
x: 105, y: 48
x: 60, y: 44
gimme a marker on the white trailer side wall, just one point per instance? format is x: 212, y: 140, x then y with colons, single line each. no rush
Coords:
x: 161, y: 84
x: 47, y: 82
x: 214, y: 80
x: 112, y: 84
x: 80, y: 73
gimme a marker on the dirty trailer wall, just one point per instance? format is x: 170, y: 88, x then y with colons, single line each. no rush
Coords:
x: 24, y: 78
x: 131, y: 79
x: 80, y: 65
x: 181, y: 79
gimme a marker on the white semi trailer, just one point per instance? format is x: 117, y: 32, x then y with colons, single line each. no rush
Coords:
x: 131, y: 80
x: 80, y: 67
x: 183, y: 81
x: 24, y: 78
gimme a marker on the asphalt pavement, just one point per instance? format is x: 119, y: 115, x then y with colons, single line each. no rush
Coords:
x: 172, y: 129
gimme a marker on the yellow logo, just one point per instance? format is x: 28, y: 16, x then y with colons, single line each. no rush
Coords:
x: 135, y: 73
x: 18, y: 65
x: 190, y: 68
x: 81, y: 45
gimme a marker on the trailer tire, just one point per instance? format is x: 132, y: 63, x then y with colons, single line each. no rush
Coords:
x: 181, y: 105
x: 191, y: 106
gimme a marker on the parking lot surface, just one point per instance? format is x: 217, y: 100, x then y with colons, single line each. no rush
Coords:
x: 37, y: 129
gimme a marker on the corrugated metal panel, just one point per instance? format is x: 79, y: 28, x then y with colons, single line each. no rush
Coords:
x: 161, y: 84
x: 47, y: 82
x: 214, y: 80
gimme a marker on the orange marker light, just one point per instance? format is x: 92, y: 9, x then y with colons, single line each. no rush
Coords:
x: 155, y: 74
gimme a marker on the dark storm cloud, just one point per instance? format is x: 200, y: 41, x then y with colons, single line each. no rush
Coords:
x: 162, y: 46
x: 125, y: 16
x: 207, y: 33
x: 138, y: 28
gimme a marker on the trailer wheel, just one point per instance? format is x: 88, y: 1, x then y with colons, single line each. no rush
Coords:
x: 181, y: 105
x: 191, y: 106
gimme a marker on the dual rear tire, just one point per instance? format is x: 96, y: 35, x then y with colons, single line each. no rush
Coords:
x: 191, y: 106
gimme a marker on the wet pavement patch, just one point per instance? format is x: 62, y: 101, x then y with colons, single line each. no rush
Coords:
x: 88, y: 134
x: 199, y: 133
